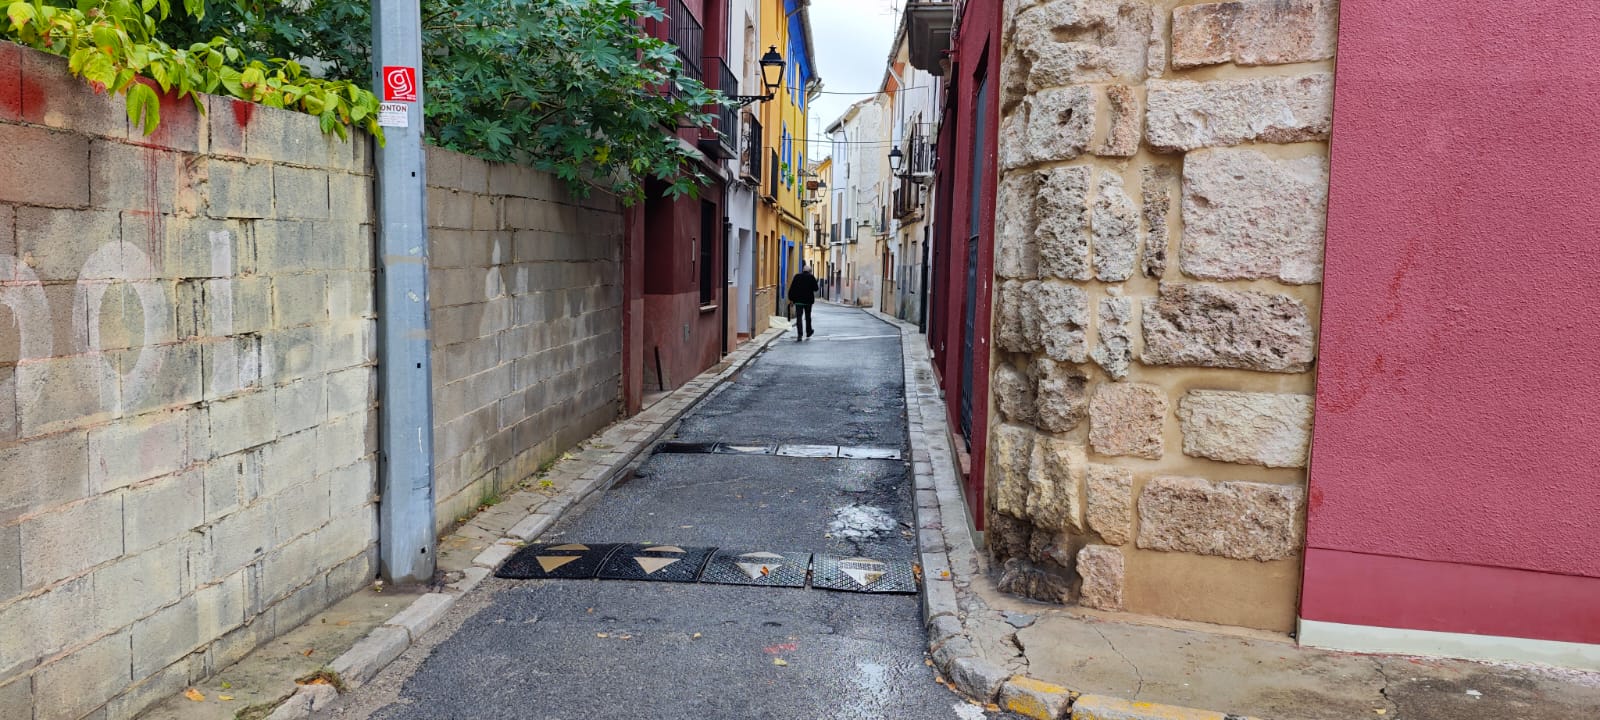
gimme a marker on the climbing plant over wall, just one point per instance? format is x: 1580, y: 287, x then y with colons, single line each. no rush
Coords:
x: 113, y: 45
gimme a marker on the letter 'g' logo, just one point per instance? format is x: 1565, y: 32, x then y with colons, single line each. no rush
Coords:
x: 399, y: 84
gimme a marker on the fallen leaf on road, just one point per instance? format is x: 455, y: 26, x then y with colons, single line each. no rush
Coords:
x: 342, y: 623
x: 225, y: 698
x: 697, y: 636
x: 308, y: 652
x: 602, y: 635
x: 779, y: 662
x: 194, y: 695
x: 1381, y: 711
x: 625, y: 637
x: 227, y: 685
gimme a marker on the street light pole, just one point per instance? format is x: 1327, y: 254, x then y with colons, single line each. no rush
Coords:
x: 406, y: 538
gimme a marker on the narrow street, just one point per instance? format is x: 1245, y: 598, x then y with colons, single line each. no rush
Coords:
x: 591, y: 649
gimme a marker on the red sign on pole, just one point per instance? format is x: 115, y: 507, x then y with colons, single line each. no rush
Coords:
x: 399, y: 83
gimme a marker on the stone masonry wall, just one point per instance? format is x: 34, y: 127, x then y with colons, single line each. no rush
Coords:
x: 186, y: 388
x: 1159, y: 235
x: 526, y: 309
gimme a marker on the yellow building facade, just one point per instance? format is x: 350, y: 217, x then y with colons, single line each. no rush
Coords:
x: 780, y: 217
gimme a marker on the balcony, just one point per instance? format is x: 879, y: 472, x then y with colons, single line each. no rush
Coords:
x: 772, y: 173
x: 750, y: 151
x: 687, y: 35
x: 928, y: 34
x: 722, y: 139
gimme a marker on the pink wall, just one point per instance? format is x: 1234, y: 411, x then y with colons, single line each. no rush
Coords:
x: 1458, y: 405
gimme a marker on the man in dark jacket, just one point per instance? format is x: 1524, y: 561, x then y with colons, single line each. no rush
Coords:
x: 803, y: 293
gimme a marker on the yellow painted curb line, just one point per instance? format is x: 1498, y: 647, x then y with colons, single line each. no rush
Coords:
x: 1101, y: 707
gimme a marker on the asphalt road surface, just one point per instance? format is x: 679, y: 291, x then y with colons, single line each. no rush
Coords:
x: 601, y: 649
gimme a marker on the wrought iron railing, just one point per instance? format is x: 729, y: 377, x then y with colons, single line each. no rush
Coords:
x: 750, y: 154
x: 727, y: 117
x: 687, y: 35
x: 772, y: 171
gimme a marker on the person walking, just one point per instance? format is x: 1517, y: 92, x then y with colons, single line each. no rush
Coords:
x: 803, y: 293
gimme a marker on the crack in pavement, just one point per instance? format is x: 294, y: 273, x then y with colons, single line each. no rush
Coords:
x: 1137, y: 673
x: 1377, y: 664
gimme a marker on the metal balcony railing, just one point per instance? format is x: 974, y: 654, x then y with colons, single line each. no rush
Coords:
x: 772, y: 188
x: 750, y: 151
x: 724, y: 142
x: 687, y: 35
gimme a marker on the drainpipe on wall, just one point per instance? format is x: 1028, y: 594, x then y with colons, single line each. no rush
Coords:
x: 406, y: 537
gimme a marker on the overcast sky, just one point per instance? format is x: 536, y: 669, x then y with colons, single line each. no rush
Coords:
x: 852, y: 39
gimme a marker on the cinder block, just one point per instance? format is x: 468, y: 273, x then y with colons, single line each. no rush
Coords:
x: 239, y: 189
x: 286, y: 136
x: 301, y: 510
x: 300, y: 193
x: 286, y: 246
x: 292, y: 354
x: 56, y: 243
x: 10, y: 561
x: 163, y: 510
x: 68, y: 392
x: 458, y: 248
x: 294, y: 610
x: 444, y: 167
x: 350, y: 295
x: 130, y: 177
x: 346, y: 536
x: 11, y: 88
x: 300, y: 299
x: 231, y: 482
x: 353, y: 390
x: 159, y: 377
x: 350, y: 343
x: 65, y: 542
x: 165, y: 637
x: 59, y: 100
x: 356, y: 573
x: 449, y: 209
x: 188, y: 247
x: 139, y: 448
x: 227, y: 121
x: 232, y: 365
x: 345, y: 440
x: 288, y: 462
x: 251, y: 304
x: 241, y: 422
x: 83, y: 681
x: 169, y: 681
x: 43, y: 473
x: 238, y: 539
x: 136, y: 586
x: 300, y: 405
x: 352, y: 486
x: 350, y: 196
x: 289, y: 568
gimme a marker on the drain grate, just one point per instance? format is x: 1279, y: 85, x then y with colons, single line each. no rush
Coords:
x: 801, y: 451
x: 658, y: 563
x: 864, y: 575
x: 758, y: 567
x: 564, y: 561
x: 687, y: 448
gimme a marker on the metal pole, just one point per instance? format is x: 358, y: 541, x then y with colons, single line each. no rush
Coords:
x: 406, y: 539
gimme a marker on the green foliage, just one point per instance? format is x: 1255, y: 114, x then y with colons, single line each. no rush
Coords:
x: 572, y: 87
x: 113, y: 45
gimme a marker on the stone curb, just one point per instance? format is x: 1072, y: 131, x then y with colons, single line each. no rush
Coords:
x: 370, y: 655
x: 950, y: 560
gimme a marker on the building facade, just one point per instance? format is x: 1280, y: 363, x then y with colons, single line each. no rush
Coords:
x: 1142, y: 206
x: 782, y: 157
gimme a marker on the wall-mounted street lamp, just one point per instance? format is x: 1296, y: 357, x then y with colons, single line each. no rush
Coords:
x: 896, y: 159
x: 771, y: 77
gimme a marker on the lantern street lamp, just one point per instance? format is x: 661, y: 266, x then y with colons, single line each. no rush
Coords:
x: 771, y: 77
x: 896, y: 159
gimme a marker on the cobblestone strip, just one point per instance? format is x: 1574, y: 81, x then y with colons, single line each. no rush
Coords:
x: 950, y: 566
x: 513, y: 522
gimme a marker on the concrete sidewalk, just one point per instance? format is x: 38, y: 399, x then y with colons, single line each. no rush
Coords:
x: 1049, y: 661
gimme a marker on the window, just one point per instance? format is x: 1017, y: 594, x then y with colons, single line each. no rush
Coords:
x: 708, y: 252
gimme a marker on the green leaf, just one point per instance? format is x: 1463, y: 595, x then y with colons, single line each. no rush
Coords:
x: 21, y: 13
x: 144, y: 106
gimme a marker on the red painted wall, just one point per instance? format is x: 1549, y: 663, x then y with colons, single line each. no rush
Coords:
x: 976, y: 46
x: 1453, y: 482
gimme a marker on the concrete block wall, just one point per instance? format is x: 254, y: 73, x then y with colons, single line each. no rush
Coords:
x: 186, y: 388
x: 526, y: 304
x: 1158, y: 257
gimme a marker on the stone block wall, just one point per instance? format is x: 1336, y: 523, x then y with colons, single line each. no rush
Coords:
x: 525, y: 298
x: 186, y: 388
x: 1159, y: 238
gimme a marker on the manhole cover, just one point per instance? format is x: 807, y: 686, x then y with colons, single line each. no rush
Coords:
x: 862, y: 575
x: 685, y: 447
x: 809, y: 451
x: 868, y: 453
x: 567, y: 561
x: 746, y: 449
x: 659, y: 563
x: 758, y: 567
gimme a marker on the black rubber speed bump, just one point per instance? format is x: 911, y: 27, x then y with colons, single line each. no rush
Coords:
x: 766, y: 569
x: 864, y: 575
x: 658, y: 563
x: 564, y: 561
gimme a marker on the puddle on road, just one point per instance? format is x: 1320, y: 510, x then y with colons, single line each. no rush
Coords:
x: 861, y: 522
